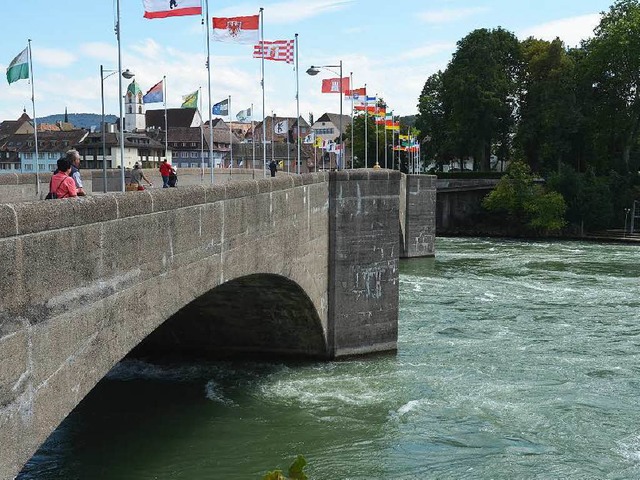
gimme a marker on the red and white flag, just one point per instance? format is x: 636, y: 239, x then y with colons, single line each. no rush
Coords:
x: 236, y: 29
x: 278, y: 50
x: 171, y: 8
x: 332, y: 85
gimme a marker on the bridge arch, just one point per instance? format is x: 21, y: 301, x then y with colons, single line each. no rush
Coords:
x: 257, y: 314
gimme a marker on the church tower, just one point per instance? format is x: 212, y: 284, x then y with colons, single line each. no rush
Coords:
x: 133, y: 109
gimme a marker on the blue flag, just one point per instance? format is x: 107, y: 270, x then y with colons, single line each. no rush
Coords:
x: 155, y: 94
x: 221, y: 108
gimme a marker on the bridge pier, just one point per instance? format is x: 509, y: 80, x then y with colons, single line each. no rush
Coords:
x: 363, y: 261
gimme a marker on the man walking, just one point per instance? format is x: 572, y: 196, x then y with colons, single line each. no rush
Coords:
x: 165, y: 171
x: 73, y: 156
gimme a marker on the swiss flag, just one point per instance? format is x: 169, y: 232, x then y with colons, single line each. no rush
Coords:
x: 332, y: 85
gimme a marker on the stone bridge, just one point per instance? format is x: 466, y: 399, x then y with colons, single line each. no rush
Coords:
x: 297, y: 265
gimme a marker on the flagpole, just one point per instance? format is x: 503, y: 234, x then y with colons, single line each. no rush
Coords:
x: 376, y: 121
x: 352, y: 125
x: 253, y: 143
x: 273, y: 127
x: 35, y: 123
x: 166, y: 124
x: 393, y: 144
x: 120, y: 98
x: 264, y: 127
x: 366, y: 127
x: 209, y: 89
x: 201, y: 134
x: 385, y: 137
x: 230, y: 138
x: 297, y: 108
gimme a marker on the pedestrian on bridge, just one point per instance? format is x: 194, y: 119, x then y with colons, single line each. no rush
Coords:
x: 165, y: 172
x: 74, y: 159
x: 61, y: 184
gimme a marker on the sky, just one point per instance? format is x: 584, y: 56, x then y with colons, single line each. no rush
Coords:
x: 392, y: 47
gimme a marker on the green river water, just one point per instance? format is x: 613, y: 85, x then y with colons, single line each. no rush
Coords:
x: 516, y: 360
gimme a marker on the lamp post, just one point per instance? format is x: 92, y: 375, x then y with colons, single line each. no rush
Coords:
x: 128, y: 75
x: 314, y: 70
x: 626, y: 215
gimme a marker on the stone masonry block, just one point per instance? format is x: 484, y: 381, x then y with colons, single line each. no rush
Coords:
x: 8, y: 221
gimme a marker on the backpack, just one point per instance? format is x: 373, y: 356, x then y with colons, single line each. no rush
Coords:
x: 51, y: 195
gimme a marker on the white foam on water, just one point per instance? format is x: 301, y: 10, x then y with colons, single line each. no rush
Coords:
x: 213, y: 393
x: 629, y: 448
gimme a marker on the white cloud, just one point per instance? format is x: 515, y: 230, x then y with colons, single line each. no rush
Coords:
x: 570, y: 30
x: 449, y: 15
x: 54, y: 58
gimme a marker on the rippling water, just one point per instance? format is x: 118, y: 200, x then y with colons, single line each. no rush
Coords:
x: 516, y: 360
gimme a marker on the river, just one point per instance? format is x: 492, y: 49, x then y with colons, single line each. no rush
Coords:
x: 516, y: 360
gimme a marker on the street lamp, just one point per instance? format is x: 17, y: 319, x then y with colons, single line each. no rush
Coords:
x: 128, y: 75
x: 314, y: 70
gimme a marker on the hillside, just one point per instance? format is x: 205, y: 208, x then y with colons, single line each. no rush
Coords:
x: 80, y: 120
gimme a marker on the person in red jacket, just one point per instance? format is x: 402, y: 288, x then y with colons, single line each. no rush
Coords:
x: 165, y: 171
x: 62, y: 184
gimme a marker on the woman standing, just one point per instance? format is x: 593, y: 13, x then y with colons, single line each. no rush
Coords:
x: 61, y: 183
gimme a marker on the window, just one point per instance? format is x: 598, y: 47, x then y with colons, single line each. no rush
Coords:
x: 28, y: 155
x: 16, y: 166
x: 195, y: 154
x: 28, y: 167
x: 41, y: 167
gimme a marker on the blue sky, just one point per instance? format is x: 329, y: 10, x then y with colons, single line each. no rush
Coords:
x: 391, y: 46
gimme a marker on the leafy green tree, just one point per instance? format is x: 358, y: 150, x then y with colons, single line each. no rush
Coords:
x: 296, y: 471
x: 431, y: 122
x: 588, y: 198
x: 479, y: 93
x: 359, y: 140
x: 518, y: 196
x: 612, y: 65
x: 549, y: 116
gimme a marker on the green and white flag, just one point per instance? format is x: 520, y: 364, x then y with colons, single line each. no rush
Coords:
x: 19, y: 67
x: 190, y: 100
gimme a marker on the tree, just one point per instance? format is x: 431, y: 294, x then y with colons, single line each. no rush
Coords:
x: 525, y: 202
x: 359, y: 140
x: 612, y: 63
x: 549, y: 116
x: 479, y: 92
x: 431, y: 121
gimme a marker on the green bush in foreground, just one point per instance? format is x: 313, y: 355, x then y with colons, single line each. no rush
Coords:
x: 296, y: 471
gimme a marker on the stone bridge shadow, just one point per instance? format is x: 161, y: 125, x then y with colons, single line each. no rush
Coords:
x: 256, y: 315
